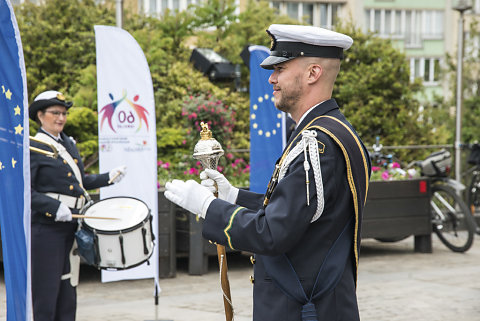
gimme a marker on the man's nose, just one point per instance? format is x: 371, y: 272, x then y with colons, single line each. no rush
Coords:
x: 273, y: 78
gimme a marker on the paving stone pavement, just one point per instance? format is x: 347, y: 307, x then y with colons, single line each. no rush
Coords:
x: 394, y: 284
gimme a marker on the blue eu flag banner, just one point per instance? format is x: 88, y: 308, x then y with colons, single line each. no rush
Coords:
x: 14, y: 168
x: 267, y: 134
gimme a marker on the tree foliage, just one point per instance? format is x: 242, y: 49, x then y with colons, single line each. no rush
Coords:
x: 374, y: 91
x: 470, y: 87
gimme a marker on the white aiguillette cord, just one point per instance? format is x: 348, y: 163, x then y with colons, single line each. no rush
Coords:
x: 308, y: 141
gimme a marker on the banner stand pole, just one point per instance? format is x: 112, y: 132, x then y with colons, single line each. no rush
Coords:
x: 156, y: 306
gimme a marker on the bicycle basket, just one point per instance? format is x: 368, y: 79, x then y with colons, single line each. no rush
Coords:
x: 474, y: 157
x: 437, y: 164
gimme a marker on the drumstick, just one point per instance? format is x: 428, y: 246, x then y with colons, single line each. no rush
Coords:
x: 94, y: 217
x: 114, y: 176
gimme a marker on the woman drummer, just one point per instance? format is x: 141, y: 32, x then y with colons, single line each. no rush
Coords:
x: 58, y: 189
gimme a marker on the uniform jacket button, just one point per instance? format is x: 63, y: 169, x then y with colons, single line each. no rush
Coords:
x: 252, y: 259
x: 48, y: 214
x: 76, y: 161
x: 69, y: 174
x: 252, y: 279
x: 64, y: 161
x: 71, y: 187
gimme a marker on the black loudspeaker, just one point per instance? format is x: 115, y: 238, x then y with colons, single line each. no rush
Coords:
x: 211, y: 64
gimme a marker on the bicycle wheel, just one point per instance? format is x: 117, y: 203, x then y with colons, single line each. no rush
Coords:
x: 451, y: 219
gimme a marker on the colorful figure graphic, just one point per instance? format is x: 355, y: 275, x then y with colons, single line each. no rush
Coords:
x: 109, y: 110
x: 140, y: 110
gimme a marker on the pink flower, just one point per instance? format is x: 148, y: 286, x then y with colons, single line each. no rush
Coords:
x: 385, y: 176
x: 159, y: 163
x: 375, y: 168
x: 166, y: 165
x: 193, y: 171
x: 184, y: 142
x: 395, y: 165
x: 219, y: 168
x: 198, y: 163
x: 229, y: 156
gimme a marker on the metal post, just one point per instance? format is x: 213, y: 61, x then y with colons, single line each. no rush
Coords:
x: 119, y: 13
x: 461, y: 7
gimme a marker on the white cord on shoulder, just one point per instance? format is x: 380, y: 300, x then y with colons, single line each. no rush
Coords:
x: 309, y: 141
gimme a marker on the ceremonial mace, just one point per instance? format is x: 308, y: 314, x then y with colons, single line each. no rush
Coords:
x: 208, y: 151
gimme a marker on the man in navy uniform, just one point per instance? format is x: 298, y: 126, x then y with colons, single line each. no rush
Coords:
x: 305, y: 230
x: 58, y: 187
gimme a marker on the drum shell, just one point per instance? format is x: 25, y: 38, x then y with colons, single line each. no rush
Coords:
x: 125, y: 248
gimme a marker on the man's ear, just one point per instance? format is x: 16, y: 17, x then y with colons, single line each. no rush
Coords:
x: 315, y: 71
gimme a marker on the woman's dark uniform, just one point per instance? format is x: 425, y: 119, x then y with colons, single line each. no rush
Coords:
x: 54, y: 298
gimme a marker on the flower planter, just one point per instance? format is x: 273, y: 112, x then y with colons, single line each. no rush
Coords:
x: 397, y: 209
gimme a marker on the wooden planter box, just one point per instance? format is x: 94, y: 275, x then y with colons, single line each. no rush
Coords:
x: 397, y: 209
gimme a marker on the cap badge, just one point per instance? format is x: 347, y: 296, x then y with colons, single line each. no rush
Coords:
x: 273, y: 41
x: 60, y: 97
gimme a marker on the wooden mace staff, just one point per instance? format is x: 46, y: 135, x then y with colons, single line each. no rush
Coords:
x: 208, y: 151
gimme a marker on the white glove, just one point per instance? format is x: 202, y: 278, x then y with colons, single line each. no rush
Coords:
x: 190, y: 195
x: 63, y: 214
x: 226, y: 191
x: 116, y: 174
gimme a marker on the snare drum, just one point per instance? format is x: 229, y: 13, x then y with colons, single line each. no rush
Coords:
x: 124, y: 242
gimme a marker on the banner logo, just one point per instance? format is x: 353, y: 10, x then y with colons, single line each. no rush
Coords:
x: 125, y: 118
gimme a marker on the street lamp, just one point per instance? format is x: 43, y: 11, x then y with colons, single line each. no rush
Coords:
x: 461, y: 7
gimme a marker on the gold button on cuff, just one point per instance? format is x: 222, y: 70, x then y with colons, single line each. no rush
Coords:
x: 71, y: 187
x: 76, y: 161
x: 64, y: 161
x: 252, y: 279
x: 69, y: 174
x: 48, y: 214
x: 252, y: 259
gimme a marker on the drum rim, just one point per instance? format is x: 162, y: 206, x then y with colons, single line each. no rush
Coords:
x: 130, y: 229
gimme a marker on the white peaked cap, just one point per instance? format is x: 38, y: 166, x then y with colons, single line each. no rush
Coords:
x: 292, y: 41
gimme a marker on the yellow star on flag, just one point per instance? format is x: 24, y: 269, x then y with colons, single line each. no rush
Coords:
x: 8, y: 94
x: 13, y: 162
x: 17, y: 110
x: 3, y: 89
x: 1, y: 166
x: 18, y: 129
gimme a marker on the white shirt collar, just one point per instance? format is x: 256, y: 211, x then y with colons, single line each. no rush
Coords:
x: 306, y: 113
x: 54, y: 137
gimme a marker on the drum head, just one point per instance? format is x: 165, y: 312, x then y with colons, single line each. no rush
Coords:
x: 128, y: 213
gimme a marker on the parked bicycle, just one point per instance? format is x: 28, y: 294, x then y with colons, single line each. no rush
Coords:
x: 473, y: 192
x: 452, y: 220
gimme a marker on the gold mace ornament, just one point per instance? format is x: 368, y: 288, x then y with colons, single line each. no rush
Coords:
x: 208, y: 151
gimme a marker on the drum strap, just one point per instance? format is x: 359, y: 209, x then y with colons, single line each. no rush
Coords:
x: 63, y: 153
